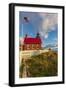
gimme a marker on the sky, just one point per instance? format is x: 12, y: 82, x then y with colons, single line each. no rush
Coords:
x: 44, y: 23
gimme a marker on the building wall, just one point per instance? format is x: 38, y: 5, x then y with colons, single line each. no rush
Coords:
x: 32, y: 46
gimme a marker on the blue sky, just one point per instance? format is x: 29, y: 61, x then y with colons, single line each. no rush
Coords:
x: 44, y: 23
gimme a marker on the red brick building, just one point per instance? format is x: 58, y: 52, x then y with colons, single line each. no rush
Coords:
x: 31, y: 43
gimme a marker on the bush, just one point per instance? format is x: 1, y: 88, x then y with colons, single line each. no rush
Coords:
x: 43, y: 65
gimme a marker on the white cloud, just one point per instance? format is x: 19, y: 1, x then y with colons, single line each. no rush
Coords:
x: 46, y: 36
x: 49, y: 21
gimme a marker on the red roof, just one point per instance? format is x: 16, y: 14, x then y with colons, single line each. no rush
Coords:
x: 32, y: 41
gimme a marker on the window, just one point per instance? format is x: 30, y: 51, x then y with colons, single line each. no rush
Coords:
x: 33, y: 46
x: 28, y: 46
x: 37, y: 46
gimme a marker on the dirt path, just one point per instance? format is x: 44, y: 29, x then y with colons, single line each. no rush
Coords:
x: 24, y: 75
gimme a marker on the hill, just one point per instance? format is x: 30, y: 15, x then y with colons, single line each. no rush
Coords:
x: 42, y: 65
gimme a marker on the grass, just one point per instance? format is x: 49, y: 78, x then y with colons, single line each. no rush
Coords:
x: 42, y: 65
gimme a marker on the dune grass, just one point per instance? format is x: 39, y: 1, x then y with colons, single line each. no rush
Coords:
x: 42, y: 65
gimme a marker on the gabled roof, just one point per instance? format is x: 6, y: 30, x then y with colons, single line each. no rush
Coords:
x: 29, y: 40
